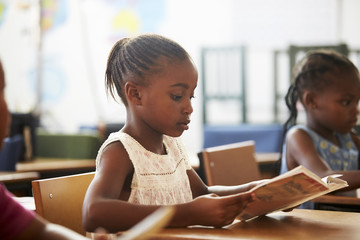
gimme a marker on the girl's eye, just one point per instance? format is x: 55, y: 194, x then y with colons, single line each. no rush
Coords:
x: 192, y: 97
x: 176, y: 97
x: 346, y: 102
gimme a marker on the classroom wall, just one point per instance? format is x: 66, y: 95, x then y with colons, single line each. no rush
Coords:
x: 78, y: 35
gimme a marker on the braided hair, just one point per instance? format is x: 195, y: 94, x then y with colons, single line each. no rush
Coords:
x: 310, y: 74
x: 134, y: 59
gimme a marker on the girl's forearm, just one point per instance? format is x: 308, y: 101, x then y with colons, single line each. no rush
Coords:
x: 228, y: 190
x: 183, y: 216
x: 114, y: 215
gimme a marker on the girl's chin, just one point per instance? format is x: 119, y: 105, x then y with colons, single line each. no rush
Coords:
x: 175, y: 133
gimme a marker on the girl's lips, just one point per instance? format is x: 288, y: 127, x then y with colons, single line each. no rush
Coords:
x: 184, y: 126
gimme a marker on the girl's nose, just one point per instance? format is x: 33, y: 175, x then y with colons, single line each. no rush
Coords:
x: 188, y: 108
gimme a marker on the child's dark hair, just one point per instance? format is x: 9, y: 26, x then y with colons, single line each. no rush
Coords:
x: 309, y: 74
x: 133, y: 59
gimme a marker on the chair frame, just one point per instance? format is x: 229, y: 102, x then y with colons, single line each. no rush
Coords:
x: 60, y: 199
x: 230, y: 164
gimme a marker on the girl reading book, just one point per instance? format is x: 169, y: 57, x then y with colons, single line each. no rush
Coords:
x: 145, y: 165
x: 327, y: 84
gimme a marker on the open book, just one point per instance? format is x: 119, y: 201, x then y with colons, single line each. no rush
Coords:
x: 289, y: 190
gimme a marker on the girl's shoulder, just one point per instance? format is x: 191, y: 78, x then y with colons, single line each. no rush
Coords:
x: 304, y: 132
x: 122, y: 137
x: 299, y: 131
x: 300, y: 127
x: 114, y: 143
x: 300, y: 137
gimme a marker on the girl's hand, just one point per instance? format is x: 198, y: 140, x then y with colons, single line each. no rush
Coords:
x: 212, y: 210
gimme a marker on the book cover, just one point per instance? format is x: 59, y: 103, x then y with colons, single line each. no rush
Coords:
x: 289, y: 190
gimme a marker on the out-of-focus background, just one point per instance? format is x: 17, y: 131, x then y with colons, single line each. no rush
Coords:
x: 54, y: 54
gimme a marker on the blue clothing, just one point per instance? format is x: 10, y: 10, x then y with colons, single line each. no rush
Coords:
x: 344, y: 158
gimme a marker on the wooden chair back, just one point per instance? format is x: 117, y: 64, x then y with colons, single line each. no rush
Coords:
x: 60, y: 199
x: 230, y: 164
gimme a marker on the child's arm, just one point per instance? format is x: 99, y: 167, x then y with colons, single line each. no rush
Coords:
x: 198, y: 187
x: 300, y: 150
x: 103, y: 207
x: 211, y: 210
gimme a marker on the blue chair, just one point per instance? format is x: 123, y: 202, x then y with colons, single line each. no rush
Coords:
x: 11, y: 152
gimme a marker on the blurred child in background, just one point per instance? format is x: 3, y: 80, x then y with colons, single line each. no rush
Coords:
x: 327, y: 84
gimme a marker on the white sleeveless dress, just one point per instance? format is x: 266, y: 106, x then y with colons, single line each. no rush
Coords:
x: 158, y: 179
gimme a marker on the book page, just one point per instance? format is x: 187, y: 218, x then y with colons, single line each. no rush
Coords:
x: 287, y: 191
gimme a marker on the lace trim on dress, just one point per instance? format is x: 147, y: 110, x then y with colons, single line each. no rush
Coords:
x: 167, y: 173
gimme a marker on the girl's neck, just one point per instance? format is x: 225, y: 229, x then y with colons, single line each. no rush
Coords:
x: 150, y: 140
x: 325, y: 133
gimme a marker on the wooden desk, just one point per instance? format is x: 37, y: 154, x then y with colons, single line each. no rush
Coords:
x: 338, y: 203
x: 14, y: 181
x: 13, y: 177
x: 55, y: 164
x: 54, y: 167
x: 298, y: 224
x: 264, y: 158
x: 337, y: 200
x: 19, y: 183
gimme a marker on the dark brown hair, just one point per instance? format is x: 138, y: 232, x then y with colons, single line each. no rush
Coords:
x: 133, y: 59
x: 309, y: 74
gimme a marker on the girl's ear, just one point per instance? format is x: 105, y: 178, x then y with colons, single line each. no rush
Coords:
x: 132, y: 93
x: 309, y: 100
